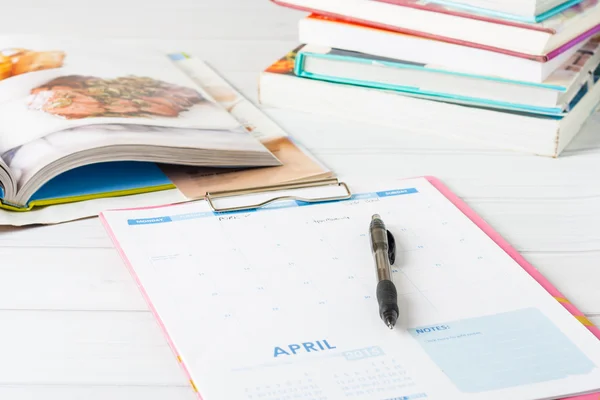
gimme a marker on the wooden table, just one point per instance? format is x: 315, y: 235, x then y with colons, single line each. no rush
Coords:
x: 74, y: 325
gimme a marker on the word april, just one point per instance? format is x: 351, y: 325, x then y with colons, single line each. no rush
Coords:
x: 306, y: 347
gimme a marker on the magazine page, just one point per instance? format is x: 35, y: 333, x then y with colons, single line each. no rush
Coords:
x: 298, y: 163
x: 143, y: 143
x: 51, y: 85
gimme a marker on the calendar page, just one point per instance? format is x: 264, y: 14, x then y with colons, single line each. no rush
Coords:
x: 279, y: 303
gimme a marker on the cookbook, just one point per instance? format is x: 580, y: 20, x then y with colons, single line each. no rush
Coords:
x: 81, y: 120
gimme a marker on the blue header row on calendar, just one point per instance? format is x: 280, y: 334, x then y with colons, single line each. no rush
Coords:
x: 283, y: 204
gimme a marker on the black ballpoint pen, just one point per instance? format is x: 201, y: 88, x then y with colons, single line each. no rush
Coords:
x: 383, y: 247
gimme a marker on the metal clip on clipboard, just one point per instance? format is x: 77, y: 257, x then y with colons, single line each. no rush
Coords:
x: 210, y: 197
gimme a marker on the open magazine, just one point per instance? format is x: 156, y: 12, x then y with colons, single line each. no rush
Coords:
x: 84, y: 120
x: 184, y: 183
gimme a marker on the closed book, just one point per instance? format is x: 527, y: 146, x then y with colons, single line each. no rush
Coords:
x: 340, y: 34
x: 518, y: 131
x: 541, y: 41
x: 555, y: 96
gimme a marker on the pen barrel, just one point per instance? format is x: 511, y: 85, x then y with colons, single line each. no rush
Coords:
x: 378, y: 233
x: 380, y: 248
x: 387, y: 297
x: 382, y: 263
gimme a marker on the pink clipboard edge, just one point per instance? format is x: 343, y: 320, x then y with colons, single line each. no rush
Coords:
x: 515, y: 255
x: 458, y: 203
x: 512, y: 252
x: 147, y: 299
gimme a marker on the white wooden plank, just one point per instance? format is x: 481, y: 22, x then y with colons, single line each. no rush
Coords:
x: 28, y: 392
x: 263, y: 10
x: 77, y: 234
x: 192, y: 5
x: 464, y: 165
x: 228, y: 56
x: 544, y: 226
x: 85, y: 348
x: 135, y: 18
x: 576, y: 275
x: 47, y: 279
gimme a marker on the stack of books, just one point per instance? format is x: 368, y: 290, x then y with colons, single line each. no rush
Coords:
x: 515, y: 74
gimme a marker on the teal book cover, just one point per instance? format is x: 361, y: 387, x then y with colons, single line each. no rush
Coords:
x: 492, y: 14
x: 572, y: 78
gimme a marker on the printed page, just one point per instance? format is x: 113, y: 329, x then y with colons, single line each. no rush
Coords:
x: 279, y: 303
x: 49, y: 85
x: 77, y: 146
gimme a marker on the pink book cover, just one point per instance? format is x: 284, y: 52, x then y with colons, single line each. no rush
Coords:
x: 465, y: 209
x: 551, y: 26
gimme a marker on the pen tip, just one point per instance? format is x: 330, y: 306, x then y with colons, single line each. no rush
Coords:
x: 389, y: 321
x: 376, y: 216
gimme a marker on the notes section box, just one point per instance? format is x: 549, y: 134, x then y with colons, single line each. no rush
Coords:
x: 501, y: 351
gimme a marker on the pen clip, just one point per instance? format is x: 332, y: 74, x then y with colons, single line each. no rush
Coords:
x: 391, y: 247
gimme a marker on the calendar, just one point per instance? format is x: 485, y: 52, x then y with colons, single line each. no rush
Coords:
x: 278, y: 302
